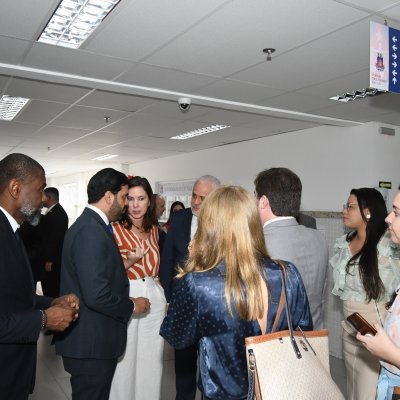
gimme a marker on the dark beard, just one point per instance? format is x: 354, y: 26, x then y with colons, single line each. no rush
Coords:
x: 116, y: 211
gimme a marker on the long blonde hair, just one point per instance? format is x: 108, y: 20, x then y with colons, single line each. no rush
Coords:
x: 230, y: 232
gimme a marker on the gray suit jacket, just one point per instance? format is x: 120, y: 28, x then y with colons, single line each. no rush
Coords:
x: 307, y: 249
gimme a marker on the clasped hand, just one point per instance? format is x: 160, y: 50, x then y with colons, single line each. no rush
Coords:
x: 63, y: 311
x: 142, y: 305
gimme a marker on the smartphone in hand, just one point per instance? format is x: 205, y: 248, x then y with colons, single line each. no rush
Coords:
x: 359, y: 323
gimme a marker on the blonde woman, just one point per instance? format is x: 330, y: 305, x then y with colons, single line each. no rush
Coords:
x: 229, y: 290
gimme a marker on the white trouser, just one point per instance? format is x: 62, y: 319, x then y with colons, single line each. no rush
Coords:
x: 139, y: 370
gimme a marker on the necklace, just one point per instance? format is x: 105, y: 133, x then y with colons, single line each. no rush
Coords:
x: 141, y: 230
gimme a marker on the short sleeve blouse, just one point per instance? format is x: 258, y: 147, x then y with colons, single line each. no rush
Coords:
x: 348, y: 286
x: 392, y: 328
x: 128, y: 240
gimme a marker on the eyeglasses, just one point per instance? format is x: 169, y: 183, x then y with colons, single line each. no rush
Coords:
x: 349, y: 206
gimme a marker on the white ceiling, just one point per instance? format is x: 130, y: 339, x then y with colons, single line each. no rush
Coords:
x: 148, y: 53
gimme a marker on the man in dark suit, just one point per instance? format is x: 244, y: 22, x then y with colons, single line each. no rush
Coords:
x: 92, y: 267
x: 279, y: 196
x: 181, y: 231
x: 159, y: 208
x: 23, y: 314
x: 53, y: 226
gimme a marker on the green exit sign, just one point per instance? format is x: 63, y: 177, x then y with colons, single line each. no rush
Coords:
x: 386, y: 185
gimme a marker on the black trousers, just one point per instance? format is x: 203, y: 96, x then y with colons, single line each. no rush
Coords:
x: 186, y: 373
x: 90, y: 378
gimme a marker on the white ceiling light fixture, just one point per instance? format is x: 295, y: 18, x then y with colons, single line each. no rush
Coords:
x: 74, y: 20
x: 358, y: 94
x: 105, y: 157
x: 201, y: 131
x: 11, y: 106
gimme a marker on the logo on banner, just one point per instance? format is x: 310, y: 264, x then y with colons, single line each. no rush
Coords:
x: 384, y: 56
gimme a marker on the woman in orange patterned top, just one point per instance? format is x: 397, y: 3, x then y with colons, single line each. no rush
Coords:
x: 139, y: 370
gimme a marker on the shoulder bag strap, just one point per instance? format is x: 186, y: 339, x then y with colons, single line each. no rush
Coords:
x: 280, y: 307
x: 288, y: 316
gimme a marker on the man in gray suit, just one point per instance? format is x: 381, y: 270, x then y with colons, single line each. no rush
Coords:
x: 278, y: 192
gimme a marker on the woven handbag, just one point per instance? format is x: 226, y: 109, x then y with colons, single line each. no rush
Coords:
x: 290, y: 364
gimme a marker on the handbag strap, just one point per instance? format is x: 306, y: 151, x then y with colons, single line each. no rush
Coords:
x: 280, y: 308
x: 288, y: 315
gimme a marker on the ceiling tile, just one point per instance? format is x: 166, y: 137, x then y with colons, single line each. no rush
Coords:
x: 358, y: 110
x: 88, y: 117
x: 344, y: 84
x: 278, y: 125
x: 75, y: 62
x: 232, y: 118
x: 390, y: 118
x: 25, y: 19
x: 137, y: 28
x: 371, y: 4
x: 45, y: 91
x: 141, y: 124
x: 13, y: 50
x: 319, y: 61
x: 16, y: 129
x: 40, y: 112
x: 116, y: 101
x: 214, y: 44
x: 164, y: 78
x: 297, y: 102
x: 238, y: 91
x: 67, y: 133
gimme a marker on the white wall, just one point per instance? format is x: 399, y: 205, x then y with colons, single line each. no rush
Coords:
x: 329, y: 160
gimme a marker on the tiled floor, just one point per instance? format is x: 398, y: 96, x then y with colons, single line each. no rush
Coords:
x: 52, y: 382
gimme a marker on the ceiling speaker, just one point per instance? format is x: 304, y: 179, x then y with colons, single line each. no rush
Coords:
x: 387, y: 131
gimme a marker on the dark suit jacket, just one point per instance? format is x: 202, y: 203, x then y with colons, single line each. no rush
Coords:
x: 32, y: 238
x: 53, y: 227
x: 92, y: 268
x: 175, y: 249
x: 20, y: 318
x: 198, y: 312
x: 307, y: 220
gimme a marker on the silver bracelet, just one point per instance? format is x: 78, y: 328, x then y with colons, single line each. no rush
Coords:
x: 43, y: 323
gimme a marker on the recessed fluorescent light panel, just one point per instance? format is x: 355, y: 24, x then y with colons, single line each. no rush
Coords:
x: 11, y: 106
x: 358, y: 94
x: 105, y: 157
x: 74, y: 20
x: 201, y: 131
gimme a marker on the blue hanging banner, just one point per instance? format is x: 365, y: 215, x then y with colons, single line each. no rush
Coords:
x: 384, y: 58
x: 394, y: 60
